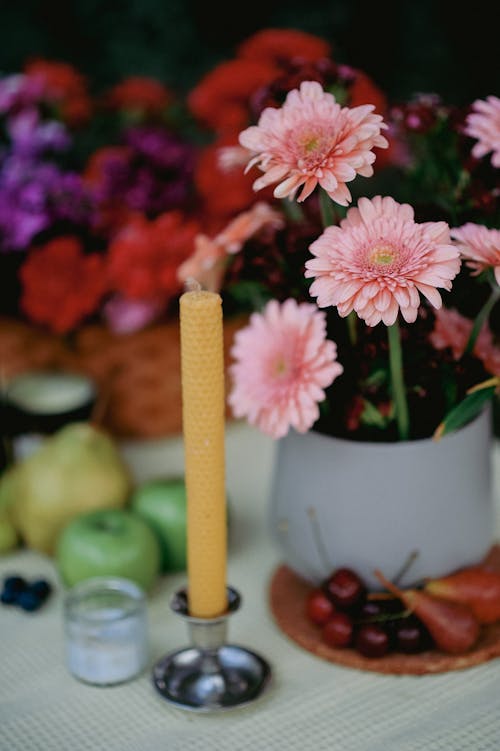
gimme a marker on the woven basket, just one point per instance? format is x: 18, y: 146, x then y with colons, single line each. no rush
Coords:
x: 138, y: 375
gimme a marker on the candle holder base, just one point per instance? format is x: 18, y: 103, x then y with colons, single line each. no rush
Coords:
x: 210, y: 675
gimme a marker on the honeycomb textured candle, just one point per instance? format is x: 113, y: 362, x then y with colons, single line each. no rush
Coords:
x: 203, y: 424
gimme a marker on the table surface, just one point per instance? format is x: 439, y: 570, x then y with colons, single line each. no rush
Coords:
x: 312, y: 705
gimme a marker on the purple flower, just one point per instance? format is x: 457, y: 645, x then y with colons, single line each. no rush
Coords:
x: 34, y: 196
x: 125, y: 316
x: 161, y: 148
x: 29, y: 136
x: 152, y: 175
x: 19, y: 91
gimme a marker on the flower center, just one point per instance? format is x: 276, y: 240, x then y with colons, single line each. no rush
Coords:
x: 382, y: 254
x: 311, y: 144
x: 280, y: 366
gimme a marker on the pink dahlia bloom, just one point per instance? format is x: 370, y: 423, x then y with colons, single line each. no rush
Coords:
x: 311, y: 139
x: 453, y: 330
x: 480, y: 246
x: 483, y: 123
x: 283, y: 363
x: 378, y: 261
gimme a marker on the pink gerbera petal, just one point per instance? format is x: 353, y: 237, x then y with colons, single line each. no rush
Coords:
x: 480, y: 247
x: 379, y: 260
x: 312, y: 140
x: 453, y: 330
x: 283, y: 363
x: 483, y: 124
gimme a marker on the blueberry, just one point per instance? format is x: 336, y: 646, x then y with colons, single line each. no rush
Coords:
x: 12, y: 588
x: 14, y: 584
x: 41, y: 588
x: 8, y: 598
x: 29, y: 601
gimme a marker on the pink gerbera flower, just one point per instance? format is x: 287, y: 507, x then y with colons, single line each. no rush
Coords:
x: 480, y: 246
x: 283, y: 363
x: 453, y: 330
x: 311, y: 139
x: 483, y: 123
x: 378, y: 261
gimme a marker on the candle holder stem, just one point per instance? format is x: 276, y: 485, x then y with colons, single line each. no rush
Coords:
x: 210, y: 675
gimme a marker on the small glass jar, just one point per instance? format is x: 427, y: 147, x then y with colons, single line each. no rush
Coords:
x: 106, y: 631
x: 39, y: 403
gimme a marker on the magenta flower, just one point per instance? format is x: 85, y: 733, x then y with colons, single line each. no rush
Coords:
x: 480, y: 247
x: 312, y: 140
x: 483, y: 124
x: 378, y: 261
x: 283, y: 363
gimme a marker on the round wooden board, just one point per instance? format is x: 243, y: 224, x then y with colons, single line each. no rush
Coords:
x: 288, y: 595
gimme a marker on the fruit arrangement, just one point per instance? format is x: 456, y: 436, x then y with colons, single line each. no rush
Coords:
x: 74, y: 498
x: 445, y: 614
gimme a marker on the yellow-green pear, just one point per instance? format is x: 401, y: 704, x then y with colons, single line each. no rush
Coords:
x: 76, y: 470
x: 8, y: 533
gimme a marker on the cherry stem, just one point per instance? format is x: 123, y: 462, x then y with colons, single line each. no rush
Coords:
x: 387, y: 584
x: 385, y: 617
x: 406, y: 565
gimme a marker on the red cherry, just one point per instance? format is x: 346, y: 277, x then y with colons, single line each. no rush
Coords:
x: 338, y: 631
x: 372, y: 640
x: 319, y: 608
x: 345, y: 589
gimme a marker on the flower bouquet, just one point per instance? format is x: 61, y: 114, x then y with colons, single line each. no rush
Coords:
x: 371, y: 291
x: 376, y: 272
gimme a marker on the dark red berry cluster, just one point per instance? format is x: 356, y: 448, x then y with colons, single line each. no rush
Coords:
x: 349, y: 617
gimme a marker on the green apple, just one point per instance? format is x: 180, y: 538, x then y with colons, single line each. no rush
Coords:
x: 108, y: 542
x: 162, y: 504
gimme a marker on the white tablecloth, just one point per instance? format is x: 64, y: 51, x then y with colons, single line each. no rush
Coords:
x: 312, y: 706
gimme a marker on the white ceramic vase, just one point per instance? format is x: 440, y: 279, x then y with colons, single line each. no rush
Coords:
x: 370, y: 505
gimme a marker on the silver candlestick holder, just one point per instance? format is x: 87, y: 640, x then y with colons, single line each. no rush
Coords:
x: 210, y: 675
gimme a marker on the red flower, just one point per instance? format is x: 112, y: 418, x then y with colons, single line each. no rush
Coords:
x: 279, y: 46
x: 225, y: 191
x: 139, y: 93
x: 64, y: 87
x: 221, y: 98
x: 145, y: 255
x: 61, y: 285
x: 363, y: 90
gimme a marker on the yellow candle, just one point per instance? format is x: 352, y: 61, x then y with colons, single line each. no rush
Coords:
x: 202, y: 360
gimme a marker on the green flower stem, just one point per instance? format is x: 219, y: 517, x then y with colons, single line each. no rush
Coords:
x: 326, y: 208
x: 483, y: 316
x: 292, y: 210
x: 352, y: 327
x: 397, y: 381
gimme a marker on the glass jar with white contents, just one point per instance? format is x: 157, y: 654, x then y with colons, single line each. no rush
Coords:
x: 106, y: 631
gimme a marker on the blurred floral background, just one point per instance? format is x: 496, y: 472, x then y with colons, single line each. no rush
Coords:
x: 121, y: 174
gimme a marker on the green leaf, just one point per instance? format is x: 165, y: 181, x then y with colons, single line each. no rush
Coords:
x: 249, y: 295
x: 373, y: 417
x: 376, y: 378
x: 464, y: 412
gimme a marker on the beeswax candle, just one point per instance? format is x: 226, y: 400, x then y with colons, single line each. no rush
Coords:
x: 202, y: 361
